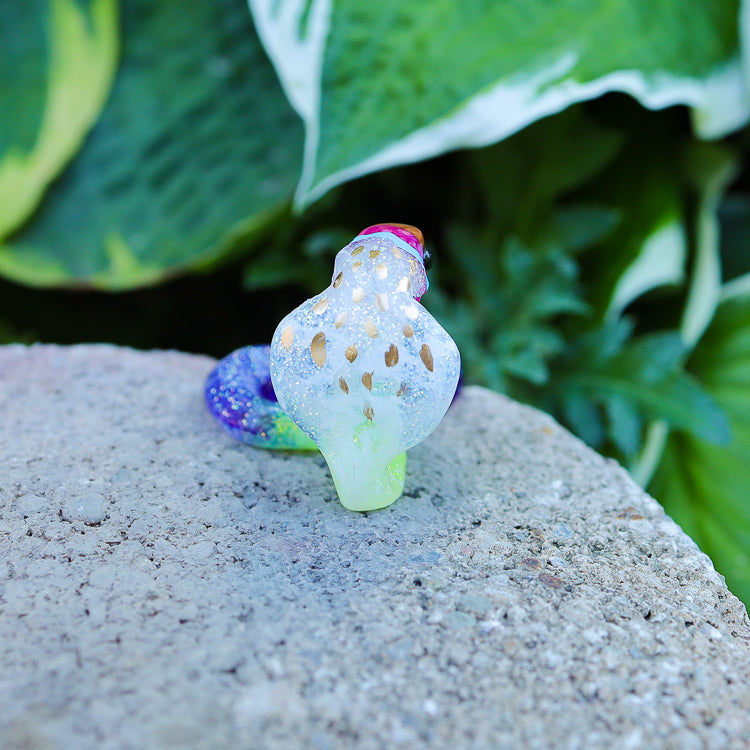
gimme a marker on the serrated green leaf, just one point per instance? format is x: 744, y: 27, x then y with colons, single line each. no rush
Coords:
x: 196, y: 148
x: 677, y: 399
x: 58, y: 62
x: 583, y: 417
x: 452, y: 75
x: 504, y: 328
x: 705, y: 487
x: 625, y: 424
x: 653, y: 357
x: 646, y: 373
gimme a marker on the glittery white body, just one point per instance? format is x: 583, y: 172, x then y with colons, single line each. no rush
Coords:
x: 365, y: 370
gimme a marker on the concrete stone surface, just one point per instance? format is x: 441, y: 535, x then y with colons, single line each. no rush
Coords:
x: 164, y: 587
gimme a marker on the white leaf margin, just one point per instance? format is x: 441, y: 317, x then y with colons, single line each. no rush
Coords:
x: 705, y: 293
x: 720, y: 102
x: 298, y: 61
x: 660, y: 262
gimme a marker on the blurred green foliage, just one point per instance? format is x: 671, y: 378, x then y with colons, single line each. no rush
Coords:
x: 592, y: 255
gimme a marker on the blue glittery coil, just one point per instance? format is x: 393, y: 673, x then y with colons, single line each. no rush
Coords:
x: 240, y: 396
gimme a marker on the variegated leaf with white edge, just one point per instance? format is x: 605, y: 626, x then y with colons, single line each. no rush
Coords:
x: 383, y: 84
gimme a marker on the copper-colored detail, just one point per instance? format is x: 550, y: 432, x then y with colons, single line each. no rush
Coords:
x: 351, y: 353
x: 356, y: 266
x: 391, y: 356
x: 287, y: 337
x: 374, y: 253
x: 411, y: 230
x: 396, y: 252
x: 402, y: 390
x: 337, y: 281
x: 368, y: 412
x: 320, y: 306
x: 367, y: 380
x: 426, y: 356
x: 318, y: 349
x: 371, y: 328
x: 358, y: 250
x: 408, y: 331
x: 342, y: 384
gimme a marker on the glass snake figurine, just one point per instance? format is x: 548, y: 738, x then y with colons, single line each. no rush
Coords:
x: 361, y: 371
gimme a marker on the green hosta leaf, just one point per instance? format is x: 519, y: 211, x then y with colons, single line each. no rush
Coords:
x: 386, y: 83
x: 667, y: 188
x: 520, y: 178
x: 196, y: 147
x: 649, y: 248
x: 660, y: 261
x: 579, y: 227
x: 56, y: 68
x: 294, y: 260
x: 712, y: 169
x: 705, y: 487
x: 734, y: 215
x: 709, y: 169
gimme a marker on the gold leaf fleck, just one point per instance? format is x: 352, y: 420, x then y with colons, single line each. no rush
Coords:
x: 320, y: 306
x: 408, y: 331
x: 318, y: 349
x: 381, y: 270
x: 358, y: 250
x: 391, y: 356
x: 368, y: 412
x: 402, y: 389
x: 357, y: 294
x: 374, y: 253
x: 287, y: 337
x: 426, y: 356
x: 404, y: 284
x: 396, y: 251
x: 381, y: 300
x: 342, y: 384
x: 367, y: 380
x: 341, y: 319
x: 337, y: 281
x: 371, y: 328
x: 351, y: 353
x: 356, y: 266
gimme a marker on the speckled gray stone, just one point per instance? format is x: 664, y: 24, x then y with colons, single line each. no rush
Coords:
x: 162, y: 587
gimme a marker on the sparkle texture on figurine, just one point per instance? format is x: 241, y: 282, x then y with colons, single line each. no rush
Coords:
x: 240, y: 396
x: 363, y: 369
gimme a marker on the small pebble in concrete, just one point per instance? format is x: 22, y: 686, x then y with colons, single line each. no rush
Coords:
x: 89, y: 507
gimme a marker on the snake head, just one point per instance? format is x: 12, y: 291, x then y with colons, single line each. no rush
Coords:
x: 363, y: 368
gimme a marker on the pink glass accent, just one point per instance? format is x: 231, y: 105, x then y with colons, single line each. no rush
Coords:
x: 402, y: 234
